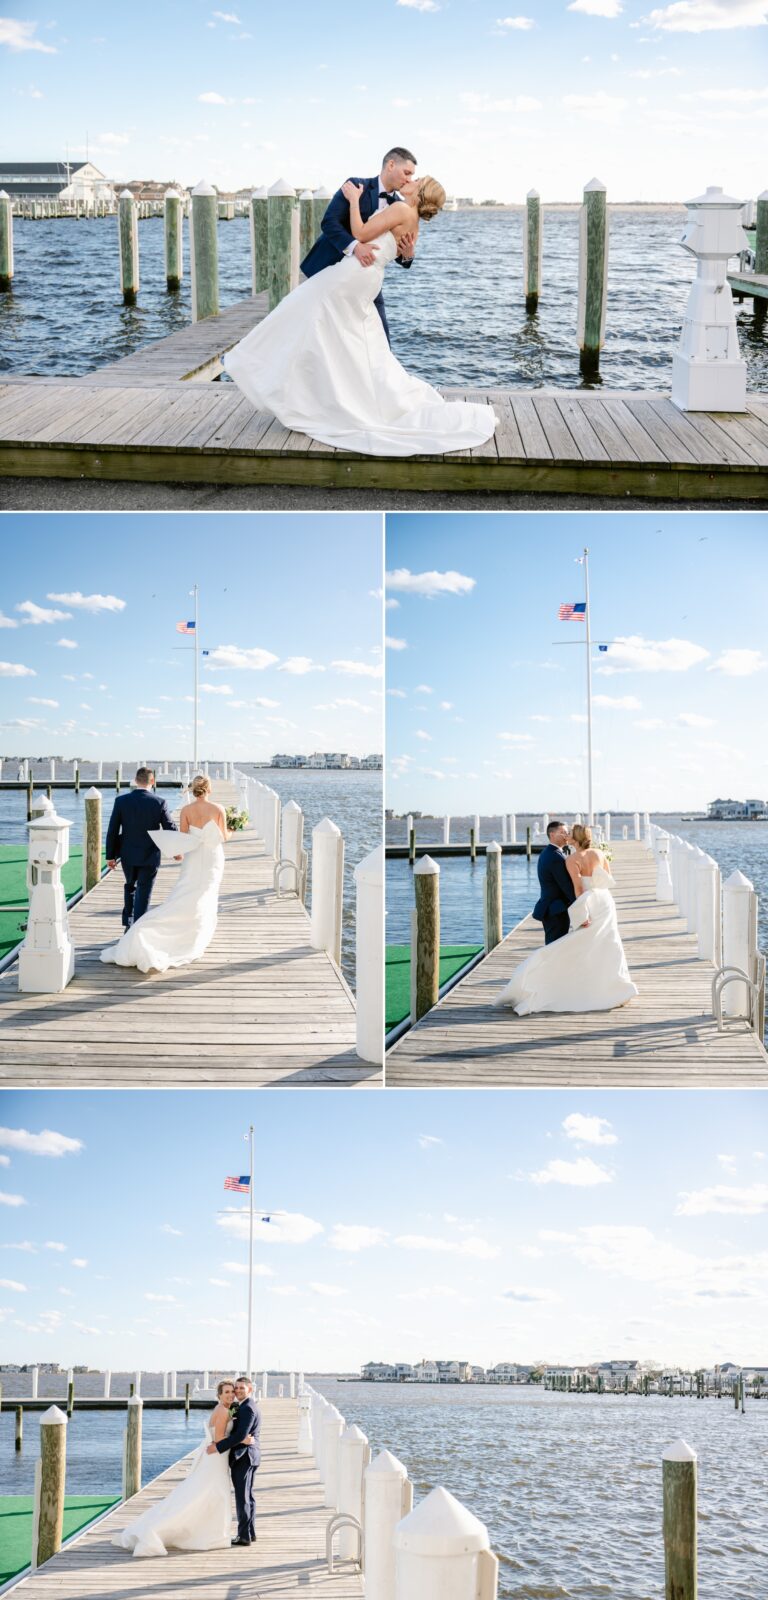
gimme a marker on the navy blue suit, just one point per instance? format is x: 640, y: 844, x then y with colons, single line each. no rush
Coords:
x: 335, y: 237
x: 557, y: 894
x: 133, y: 814
x: 244, y: 1460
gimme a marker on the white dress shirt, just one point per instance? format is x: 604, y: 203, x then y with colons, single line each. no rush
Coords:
x: 383, y: 203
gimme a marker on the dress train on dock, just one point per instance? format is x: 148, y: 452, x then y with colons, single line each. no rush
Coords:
x: 320, y: 362
x: 196, y: 1515
x: 181, y: 929
x: 584, y: 971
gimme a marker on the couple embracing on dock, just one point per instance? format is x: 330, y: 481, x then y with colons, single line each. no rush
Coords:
x: 321, y: 361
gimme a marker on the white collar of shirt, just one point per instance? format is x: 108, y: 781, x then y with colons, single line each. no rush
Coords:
x: 383, y: 201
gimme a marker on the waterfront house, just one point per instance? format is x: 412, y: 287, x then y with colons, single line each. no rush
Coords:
x: 737, y: 810
x: 78, y: 181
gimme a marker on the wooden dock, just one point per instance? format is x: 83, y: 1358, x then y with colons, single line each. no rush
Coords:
x: 289, y: 1553
x: 749, y: 285
x: 153, y: 418
x: 666, y: 1038
x: 260, y: 1007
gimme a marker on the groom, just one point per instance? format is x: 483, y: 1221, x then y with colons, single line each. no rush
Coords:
x: 244, y: 1459
x: 557, y: 891
x: 133, y: 814
x: 336, y: 240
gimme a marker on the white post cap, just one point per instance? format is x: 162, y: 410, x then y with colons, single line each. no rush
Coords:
x: 493, y: 849
x: 737, y: 880
x: 533, y: 194
x: 679, y: 1451
x: 353, y: 1434
x: 442, y: 1523
x: 714, y: 196
x: 281, y: 187
x: 594, y: 186
x: 371, y: 868
x: 325, y: 194
x: 306, y: 194
x: 126, y: 195
x: 203, y: 188
x: 387, y: 1465
x: 326, y: 826
x: 427, y: 866
x: 53, y: 1417
x: 172, y: 194
x: 290, y: 805
x: 92, y: 794
x: 260, y: 193
x: 4, y: 195
x: 135, y: 1400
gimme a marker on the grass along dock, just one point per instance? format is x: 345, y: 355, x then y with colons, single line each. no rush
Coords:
x: 667, y: 1037
x: 261, y: 1006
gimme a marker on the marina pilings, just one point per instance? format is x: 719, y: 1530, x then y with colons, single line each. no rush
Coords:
x: 306, y: 222
x: 442, y: 1552
x: 19, y: 1428
x: 280, y: 209
x: 739, y: 941
x: 132, y: 1448
x: 354, y: 1456
x: 708, y: 892
x: 493, y: 902
x: 369, y: 932
x: 6, y: 242
x: 333, y: 1427
x: 593, y: 275
x: 292, y: 853
x: 173, y: 214
x: 327, y: 888
x: 92, y: 850
x: 532, y: 250
x: 35, y: 1381
x: 446, y: 830
x: 204, y: 252
x: 50, y: 1476
x: 70, y: 1396
x: 680, y: 1530
x: 425, y: 939
x: 387, y: 1498
x: 259, y: 241
x: 128, y: 236
x: 472, y: 845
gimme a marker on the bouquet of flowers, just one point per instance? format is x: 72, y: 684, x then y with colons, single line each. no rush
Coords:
x: 236, y: 820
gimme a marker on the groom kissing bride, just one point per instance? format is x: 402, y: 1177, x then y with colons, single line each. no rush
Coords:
x: 582, y: 965
x: 196, y: 1515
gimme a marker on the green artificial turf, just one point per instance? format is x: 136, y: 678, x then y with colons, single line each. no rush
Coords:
x: 16, y: 1526
x: 398, y: 962
x: 13, y: 889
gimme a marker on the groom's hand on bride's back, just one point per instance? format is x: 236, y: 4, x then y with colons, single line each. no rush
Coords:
x: 365, y: 254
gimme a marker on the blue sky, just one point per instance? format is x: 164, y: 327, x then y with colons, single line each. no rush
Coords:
x: 486, y: 712
x: 657, y: 100
x: 289, y: 611
x: 486, y: 1226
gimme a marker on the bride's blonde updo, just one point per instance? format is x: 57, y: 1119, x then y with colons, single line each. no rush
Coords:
x: 582, y: 835
x: 225, y: 1383
x: 200, y: 786
x: 430, y: 198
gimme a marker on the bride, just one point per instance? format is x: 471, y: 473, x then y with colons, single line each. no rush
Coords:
x: 197, y: 1514
x: 587, y: 969
x: 180, y: 930
x: 321, y: 362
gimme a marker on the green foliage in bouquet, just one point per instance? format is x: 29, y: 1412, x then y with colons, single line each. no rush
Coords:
x: 236, y: 820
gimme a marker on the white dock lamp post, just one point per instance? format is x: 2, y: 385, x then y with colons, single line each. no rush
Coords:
x: 47, y: 956
x: 708, y: 373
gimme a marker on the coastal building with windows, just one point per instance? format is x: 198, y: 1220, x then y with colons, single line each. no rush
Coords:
x: 77, y: 181
x: 738, y: 810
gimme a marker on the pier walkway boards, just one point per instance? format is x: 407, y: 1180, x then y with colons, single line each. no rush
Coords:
x: 666, y: 1038
x: 261, y: 1006
x: 289, y: 1556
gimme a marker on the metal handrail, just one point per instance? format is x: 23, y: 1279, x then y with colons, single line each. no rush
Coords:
x: 755, y: 991
x: 343, y: 1519
x: 285, y: 865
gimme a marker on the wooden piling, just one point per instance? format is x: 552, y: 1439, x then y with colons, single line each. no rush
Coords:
x: 528, y: 850
x: 204, y: 252
x: 472, y: 845
x: 186, y: 1398
x: 412, y: 846
x: 174, y: 247
x: 19, y: 1436
x: 30, y: 793
x: 593, y: 275
x: 426, y: 878
x: 49, y: 1486
x: 92, y: 849
x: 132, y: 1459
x: 493, y: 905
x: 259, y: 241
x: 306, y: 223
x: 320, y: 200
x: 70, y: 1397
x: 532, y: 250
x: 128, y: 235
x: 6, y: 242
x: 680, y: 1538
x: 280, y: 208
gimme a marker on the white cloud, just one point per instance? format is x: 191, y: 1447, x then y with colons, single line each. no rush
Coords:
x: 67, y: 644
x: 163, y: 1299
x: 597, y: 8
x: 589, y: 1130
x: 354, y: 1237
x: 358, y: 669
x: 14, y: 669
x: 429, y: 583
x: 624, y: 702
x: 78, y: 1261
x: 38, y: 614
x: 288, y: 1228
x: 330, y: 1290
x: 705, y: 16
x: 166, y: 1228
x: 478, y: 1248
x: 240, y: 1268
x: 422, y: 734
x: 419, y: 5
x: 216, y: 688
x: 299, y: 666
x: 515, y: 24
x: 54, y: 1244
x: 211, y: 98
x: 395, y: 644
x: 10, y: 622
x: 46, y: 1143
x: 227, y: 16
x: 516, y: 738
x: 19, y: 35
x: 5, y: 1161
x: 90, y: 602
x: 529, y: 1296
x: 583, y: 1173
x: 739, y: 663
x: 426, y: 1140
x: 11, y: 1199
x: 724, y: 1201
x: 633, y: 653
x: 34, y: 700
x: 11, y: 1283
x: 691, y: 719
x: 230, y: 657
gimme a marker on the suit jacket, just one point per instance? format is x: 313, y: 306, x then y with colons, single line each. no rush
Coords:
x: 557, y: 891
x: 133, y: 814
x: 248, y: 1420
x: 335, y: 236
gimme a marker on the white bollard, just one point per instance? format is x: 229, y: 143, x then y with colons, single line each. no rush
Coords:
x: 683, y: 853
x: 607, y: 827
x: 271, y: 801
x: 664, y: 890
x: 512, y: 828
x: 107, y: 1385
x: 6, y: 241
x: 708, y: 373
x: 708, y: 909
x: 292, y: 840
x: 694, y: 855
x: 354, y: 1456
x: 333, y: 1427
x: 137, y: 1383
x: 544, y: 823
x: 408, y: 828
x: 636, y: 823
x: 387, y: 1498
x: 442, y: 1552
x: 165, y: 1385
x: 292, y: 1385
x: 446, y: 830
x: 265, y: 1385
x: 316, y: 1415
x: 47, y: 957
x: 35, y: 1376
x: 369, y: 965
x: 304, y: 1441
x: 172, y: 1386
x: 739, y: 917
x: 624, y: 831
x: 327, y: 888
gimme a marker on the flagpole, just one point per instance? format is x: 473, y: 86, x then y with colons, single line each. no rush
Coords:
x: 249, y: 1361
x: 194, y: 754
x: 588, y: 642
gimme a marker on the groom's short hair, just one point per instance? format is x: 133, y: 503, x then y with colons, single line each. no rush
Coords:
x: 551, y: 828
x: 144, y: 774
x: 398, y: 153
x: 246, y: 1381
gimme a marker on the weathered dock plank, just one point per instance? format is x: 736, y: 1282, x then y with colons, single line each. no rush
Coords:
x: 193, y: 354
x: 289, y: 1553
x: 667, y: 1037
x: 260, y: 1007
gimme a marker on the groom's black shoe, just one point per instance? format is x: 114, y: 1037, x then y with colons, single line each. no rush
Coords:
x: 246, y: 1542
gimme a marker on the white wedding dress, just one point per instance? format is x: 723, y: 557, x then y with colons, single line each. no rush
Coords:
x: 321, y: 364
x: 584, y: 971
x: 179, y: 930
x: 196, y: 1515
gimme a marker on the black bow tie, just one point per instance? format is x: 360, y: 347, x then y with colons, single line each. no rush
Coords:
x: 390, y: 198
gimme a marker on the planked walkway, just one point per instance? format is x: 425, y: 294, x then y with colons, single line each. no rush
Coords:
x: 260, y: 1007
x: 136, y: 422
x: 666, y: 1038
x: 289, y: 1554
x: 751, y: 284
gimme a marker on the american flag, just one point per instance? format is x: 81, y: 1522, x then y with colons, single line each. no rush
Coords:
x: 240, y: 1185
x: 572, y: 612
x: 185, y: 627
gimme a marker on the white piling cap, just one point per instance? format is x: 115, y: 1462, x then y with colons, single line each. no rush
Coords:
x: 326, y: 826
x: 493, y: 849
x: 290, y: 805
x: 281, y: 187
x: 325, y: 194
x: 593, y: 185
x: 92, y: 794
x: 737, y: 880
x: 427, y: 866
x: 125, y: 195
x: 353, y: 1435
x: 387, y: 1465
x: 714, y: 196
x: 679, y: 1451
x: 172, y: 194
x: 203, y: 188
x: 53, y: 1417
x: 135, y: 1400
x: 763, y: 196
x: 260, y: 193
x: 441, y: 1525
x: 533, y: 194
x: 306, y: 194
x: 371, y: 868
x: 4, y: 195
